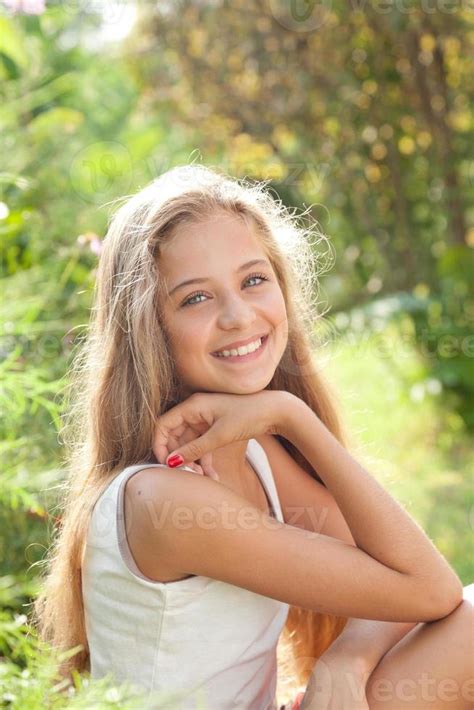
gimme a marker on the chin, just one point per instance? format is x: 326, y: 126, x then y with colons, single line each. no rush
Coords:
x: 251, y: 388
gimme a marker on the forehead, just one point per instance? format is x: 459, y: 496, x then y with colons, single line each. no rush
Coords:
x: 196, y: 248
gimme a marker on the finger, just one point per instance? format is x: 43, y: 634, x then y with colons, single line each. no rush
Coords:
x: 212, y: 473
x: 173, y: 440
x: 183, y: 414
x: 177, y: 438
x: 173, y: 418
x: 161, y: 453
x: 196, y: 468
x: 206, y: 463
x: 169, y: 422
x: 160, y: 445
x: 213, y: 439
x: 188, y: 433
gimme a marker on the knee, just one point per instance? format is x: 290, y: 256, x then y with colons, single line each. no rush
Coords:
x: 432, y: 651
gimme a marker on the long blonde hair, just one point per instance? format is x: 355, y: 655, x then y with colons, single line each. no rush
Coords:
x: 123, y: 379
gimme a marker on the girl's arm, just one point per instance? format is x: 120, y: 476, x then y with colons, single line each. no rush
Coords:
x: 305, y: 502
x: 379, y: 525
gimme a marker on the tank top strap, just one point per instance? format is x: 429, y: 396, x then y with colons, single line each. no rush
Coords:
x: 259, y: 461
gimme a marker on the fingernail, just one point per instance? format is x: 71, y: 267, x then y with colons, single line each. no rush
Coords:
x: 176, y: 460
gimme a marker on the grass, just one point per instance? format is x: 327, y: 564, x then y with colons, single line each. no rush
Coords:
x: 400, y: 430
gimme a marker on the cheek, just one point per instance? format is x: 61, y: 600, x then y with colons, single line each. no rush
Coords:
x: 189, y: 338
x: 280, y: 320
x: 277, y: 307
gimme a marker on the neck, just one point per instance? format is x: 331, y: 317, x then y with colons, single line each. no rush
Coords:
x: 230, y: 460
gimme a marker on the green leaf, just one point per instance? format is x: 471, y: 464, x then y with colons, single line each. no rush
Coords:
x: 56, y: 119
x: 12, y: 42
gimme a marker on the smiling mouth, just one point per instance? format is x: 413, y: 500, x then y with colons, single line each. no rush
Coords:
x: 235, y: 357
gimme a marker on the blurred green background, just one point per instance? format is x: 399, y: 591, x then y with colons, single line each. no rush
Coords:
x: 360, y: 111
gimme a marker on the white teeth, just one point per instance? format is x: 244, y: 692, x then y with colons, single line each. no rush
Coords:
x: 250, y: 348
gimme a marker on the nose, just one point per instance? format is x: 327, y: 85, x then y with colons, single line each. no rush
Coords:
x: 235, y: 313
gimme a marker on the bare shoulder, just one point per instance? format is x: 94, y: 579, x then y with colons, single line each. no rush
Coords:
x: 148, y: 497
x: 305, y: 502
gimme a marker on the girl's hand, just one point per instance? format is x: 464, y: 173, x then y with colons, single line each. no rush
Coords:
x: 182, y: 435
x: 206, y: 421
x: 336, y: 684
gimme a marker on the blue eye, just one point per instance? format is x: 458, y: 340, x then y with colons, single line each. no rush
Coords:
x: 189, y: 302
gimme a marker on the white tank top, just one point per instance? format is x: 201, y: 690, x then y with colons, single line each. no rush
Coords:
x: 193, y: 644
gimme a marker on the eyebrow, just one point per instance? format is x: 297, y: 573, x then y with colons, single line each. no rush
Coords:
x: 201, y: 280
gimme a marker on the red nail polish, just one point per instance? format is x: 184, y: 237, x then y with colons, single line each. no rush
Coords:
x: 175, y: 460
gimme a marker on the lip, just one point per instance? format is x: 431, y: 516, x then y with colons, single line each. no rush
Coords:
x: 244, y: 358
x: 240, y: 343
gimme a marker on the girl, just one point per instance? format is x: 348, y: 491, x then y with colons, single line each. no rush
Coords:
x: 199, y: 361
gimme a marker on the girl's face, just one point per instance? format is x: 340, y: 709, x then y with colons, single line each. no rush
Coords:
x: 234, y: 303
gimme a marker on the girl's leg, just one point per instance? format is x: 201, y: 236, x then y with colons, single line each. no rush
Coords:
x: 431, y: 668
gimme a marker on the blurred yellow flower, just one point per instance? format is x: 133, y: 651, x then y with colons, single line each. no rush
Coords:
x: 427, y: 43
x: 372, y: 172
x: 406, y: 145
x: 378, y: 151
x: 421, y: 290
x: 424, y: 139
